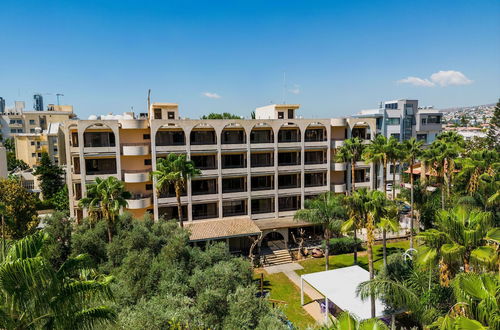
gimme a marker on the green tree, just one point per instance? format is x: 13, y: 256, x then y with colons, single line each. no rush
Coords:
x: 389, y: 221
x: 61, y: 200
x: 478, y: 304
x: 175, y: 170
x: 20, y: 211
x: 356, y: 205
x: 351, y: 152
x: 493, y: 134
x: 376, y: 152
x: 104, y: 200
x: 224, y: 115
x: 412, y: 151
x: 459, y: 240
x: 347, y: 321
x: 58, y: 246
x: 34, y: 295
x: 326, y: 210
x: 50, y: 177
x: 395, y: 153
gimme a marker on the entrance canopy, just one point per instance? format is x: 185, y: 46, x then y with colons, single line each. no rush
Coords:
x: 339, y: 287
x: 221, y: 228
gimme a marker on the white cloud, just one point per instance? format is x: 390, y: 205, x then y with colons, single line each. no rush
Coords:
x: 416, y: 81
x: 450, y: 78
x: 440, y: 78
x: 211, y: 95
x: 295, y: 89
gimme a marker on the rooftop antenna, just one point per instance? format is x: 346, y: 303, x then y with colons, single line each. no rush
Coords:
x: 284, y: 86
x: 58, y: 95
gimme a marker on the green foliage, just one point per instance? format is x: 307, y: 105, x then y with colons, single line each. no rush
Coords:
x: 349, y: 321
x: 105, y: 198
x: 493, y: 134
x: 50, y: 177
x: 58, y: 245
x: 36, y: 295
x: 20, y: 211
x: 224, y: 115
x: 60, y: 200
x: 14, y: 164
x: 342, y: 245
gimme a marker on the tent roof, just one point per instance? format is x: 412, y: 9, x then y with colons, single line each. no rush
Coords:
x: 339, y: 286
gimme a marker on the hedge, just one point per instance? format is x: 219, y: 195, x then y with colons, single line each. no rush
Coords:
x: 342, y: 245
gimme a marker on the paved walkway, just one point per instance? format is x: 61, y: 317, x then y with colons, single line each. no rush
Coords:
x: 312, y: 308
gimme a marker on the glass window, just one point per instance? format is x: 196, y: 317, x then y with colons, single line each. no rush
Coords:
x: 157, y: 113
x: 32, y: 122
x: 396, y: 135
x: 171, y: 115
x: 392, y: 121
x: 290, y: 114
x: 146, y: 137
x: 422, y: 137
x: 280, y: 115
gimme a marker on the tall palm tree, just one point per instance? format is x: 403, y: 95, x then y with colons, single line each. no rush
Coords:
x: 104, y: 200
x: 175, y: 170
x: 376, y: 152
x: 394, y: 155
x: 376, y: 209
x: 412, y: 151
x: 347, y: 321
x: 357, y: 215
x: 460, y: 239
x: 351, y: 152
x: 326, y: 210
x: 34, y: 295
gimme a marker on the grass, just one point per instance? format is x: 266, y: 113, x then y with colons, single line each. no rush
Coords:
x: 281, y: 288
x: 344, y: 260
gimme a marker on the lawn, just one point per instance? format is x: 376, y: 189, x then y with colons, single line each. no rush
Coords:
x: 281, y: 288
x: 343, y: 260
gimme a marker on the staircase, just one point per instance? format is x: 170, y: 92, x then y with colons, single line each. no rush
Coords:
x: 276, y: 254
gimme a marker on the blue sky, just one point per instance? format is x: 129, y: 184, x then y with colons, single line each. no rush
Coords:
x: 339, y: 56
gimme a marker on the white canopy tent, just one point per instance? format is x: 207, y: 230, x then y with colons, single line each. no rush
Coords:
x: 339, y: 287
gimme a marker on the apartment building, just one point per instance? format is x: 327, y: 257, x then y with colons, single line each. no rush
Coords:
x: 3, y: 162
x: 30, y: 146
x: 16, y: 120
x: 404, y: 119
x: 255, y: 173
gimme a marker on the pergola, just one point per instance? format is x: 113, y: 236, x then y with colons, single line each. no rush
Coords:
x: 339, y: 287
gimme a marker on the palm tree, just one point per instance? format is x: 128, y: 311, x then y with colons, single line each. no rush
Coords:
x: 459, y: 240
x: 175, y: 170
x: 34, y: 295
x: 412, y: 151
x: 394, y: 155
x: 347, y: 321
x: 105, y: 198
x: 376, y: 152
x: 388, y: 222
x: 351, y: 152
x: 357, y: 215
x: 326, y: 210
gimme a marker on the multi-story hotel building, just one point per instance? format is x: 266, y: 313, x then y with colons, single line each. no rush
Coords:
x: 255, y: 173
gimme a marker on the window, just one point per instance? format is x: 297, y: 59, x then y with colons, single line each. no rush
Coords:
x: 33, y: 154
x: 147, y: 162
x: 280, y: 115
x: 157, y: 113
x: 392, y: 121
x: 424, y: 121
x: 422, y: 137
x: 39, y: 154
x: 171, y: 115
x: 290, y: 114
x: 146, y: 137
x: 32, y: 143
x: 32, y: 130
x: 396, y: 135
x: 149, y: 186
x: 434, y: 120
x: 391, y: 106
x: 19, y: 121
x: 32, y: 122
x: 12, y: 121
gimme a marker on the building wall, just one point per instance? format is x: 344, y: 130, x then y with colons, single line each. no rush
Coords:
x: 3, y: 162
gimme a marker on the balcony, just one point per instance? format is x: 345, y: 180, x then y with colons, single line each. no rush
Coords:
x: 136, y: 176
x: 339, y: 188
x: 262, y: 208
x: 170, y: 140
x: 205, y: 211
x: 99, y: 142
x: 337, y: 143
x: 339, y: 166
x: 259, y: 183
x: 234, y: 208
x: 135, y: 149
x: 288, y: 158
x: 139, y: 202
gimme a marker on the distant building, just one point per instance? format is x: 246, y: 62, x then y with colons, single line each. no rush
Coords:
x: 2, y: 105
x: 16, y: 120
x: 38, y: 102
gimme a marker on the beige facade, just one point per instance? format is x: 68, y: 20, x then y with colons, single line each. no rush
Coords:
x: 261, y: 169
x: 30, y: 146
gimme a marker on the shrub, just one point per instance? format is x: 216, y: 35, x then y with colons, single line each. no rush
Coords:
x: 341, y: 245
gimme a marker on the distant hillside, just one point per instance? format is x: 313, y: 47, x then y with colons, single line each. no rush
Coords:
x: 458, y: 109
